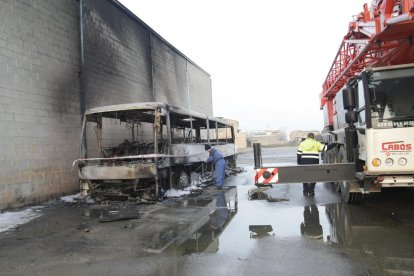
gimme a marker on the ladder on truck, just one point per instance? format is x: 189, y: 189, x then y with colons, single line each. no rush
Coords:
x: 379, y: 36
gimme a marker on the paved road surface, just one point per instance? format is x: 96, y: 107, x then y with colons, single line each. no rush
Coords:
x: 209, y: 234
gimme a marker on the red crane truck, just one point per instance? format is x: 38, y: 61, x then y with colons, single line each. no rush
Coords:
x: 368, y: 106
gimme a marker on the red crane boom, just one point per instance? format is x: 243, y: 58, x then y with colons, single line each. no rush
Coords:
x: 379, y: 36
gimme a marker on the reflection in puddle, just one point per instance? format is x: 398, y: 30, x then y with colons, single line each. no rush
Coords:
x: 192, y: 225
x: 380, y: 238
x: 227, y: 234
x: 373, y: 238
x: 284, y: 217
x: 206, y: 238
x: 311, y: 227
x: 302, y: 227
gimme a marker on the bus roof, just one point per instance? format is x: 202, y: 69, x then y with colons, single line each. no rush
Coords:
x: 151, y: 105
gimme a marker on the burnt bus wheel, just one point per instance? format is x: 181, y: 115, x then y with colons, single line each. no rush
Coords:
x: 182, y: 180
x: 231, y: 162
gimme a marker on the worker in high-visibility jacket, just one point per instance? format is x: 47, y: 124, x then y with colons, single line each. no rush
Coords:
x: 308, y: 153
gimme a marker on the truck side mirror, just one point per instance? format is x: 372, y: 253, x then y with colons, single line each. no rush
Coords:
x: 361, y: 130
x: 351, y: 117
x: 348, y: 95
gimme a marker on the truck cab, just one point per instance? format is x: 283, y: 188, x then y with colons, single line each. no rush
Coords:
x: 373, y: 124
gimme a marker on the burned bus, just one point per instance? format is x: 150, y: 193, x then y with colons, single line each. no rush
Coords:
x: 135, y: 151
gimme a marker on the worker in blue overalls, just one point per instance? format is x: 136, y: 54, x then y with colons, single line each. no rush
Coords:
x: 219, y: 163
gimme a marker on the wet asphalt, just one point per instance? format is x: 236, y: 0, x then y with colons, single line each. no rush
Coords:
x: 222, y: 233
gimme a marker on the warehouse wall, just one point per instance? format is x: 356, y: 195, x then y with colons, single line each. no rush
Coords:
x: 200, y: 99
x: 40, y: 102
x: 117, y: 57
x: 126, y: 61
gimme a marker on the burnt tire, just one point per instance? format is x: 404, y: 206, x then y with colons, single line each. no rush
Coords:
x: 183, y: 180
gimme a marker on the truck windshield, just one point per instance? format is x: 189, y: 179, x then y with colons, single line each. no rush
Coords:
x: 392, y: 103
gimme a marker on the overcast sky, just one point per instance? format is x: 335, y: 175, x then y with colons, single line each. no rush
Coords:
x: 267, y: 59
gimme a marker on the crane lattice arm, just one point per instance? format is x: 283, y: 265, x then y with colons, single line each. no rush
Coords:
x: 379, y: 36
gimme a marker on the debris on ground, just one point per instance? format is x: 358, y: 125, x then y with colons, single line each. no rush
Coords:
x: 127, y: 226
x: 206, y: 177
x: 259, y: 194
x: 119, y: 213
x: 235, y: 171
x: 257, y: 231
x: 260, y: 229
x: 12, y: 219
x: 276, y: 199
x: 71, y: 198
x: 84, y: 227
x: 187, y: 192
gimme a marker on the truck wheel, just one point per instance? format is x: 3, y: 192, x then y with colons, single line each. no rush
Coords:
x: 334, y: 155
x: 345, y: 186
x: 336, y: 158
x: 346, y: 195
x: 331, y: 157
x: 350, y: 197
x: 337, y: 187
x: 346, y: 226
x: 231, y: 163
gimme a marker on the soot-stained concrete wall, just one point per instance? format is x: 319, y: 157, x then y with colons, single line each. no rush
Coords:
x: 40, y: 100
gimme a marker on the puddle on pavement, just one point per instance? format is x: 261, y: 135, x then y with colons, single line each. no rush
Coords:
x: 280, y: 155
x: 380, y: 239
x: 227, y: 223
x: 206, y: 239
x: 235, y: 225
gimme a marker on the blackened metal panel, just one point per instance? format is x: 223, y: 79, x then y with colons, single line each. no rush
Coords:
x: 317, y: 173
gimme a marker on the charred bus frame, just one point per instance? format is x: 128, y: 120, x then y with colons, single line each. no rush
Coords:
x: 130, y: 149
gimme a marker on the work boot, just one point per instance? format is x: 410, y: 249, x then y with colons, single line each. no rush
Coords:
x: 311, y: 193
x: 305, y: 193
